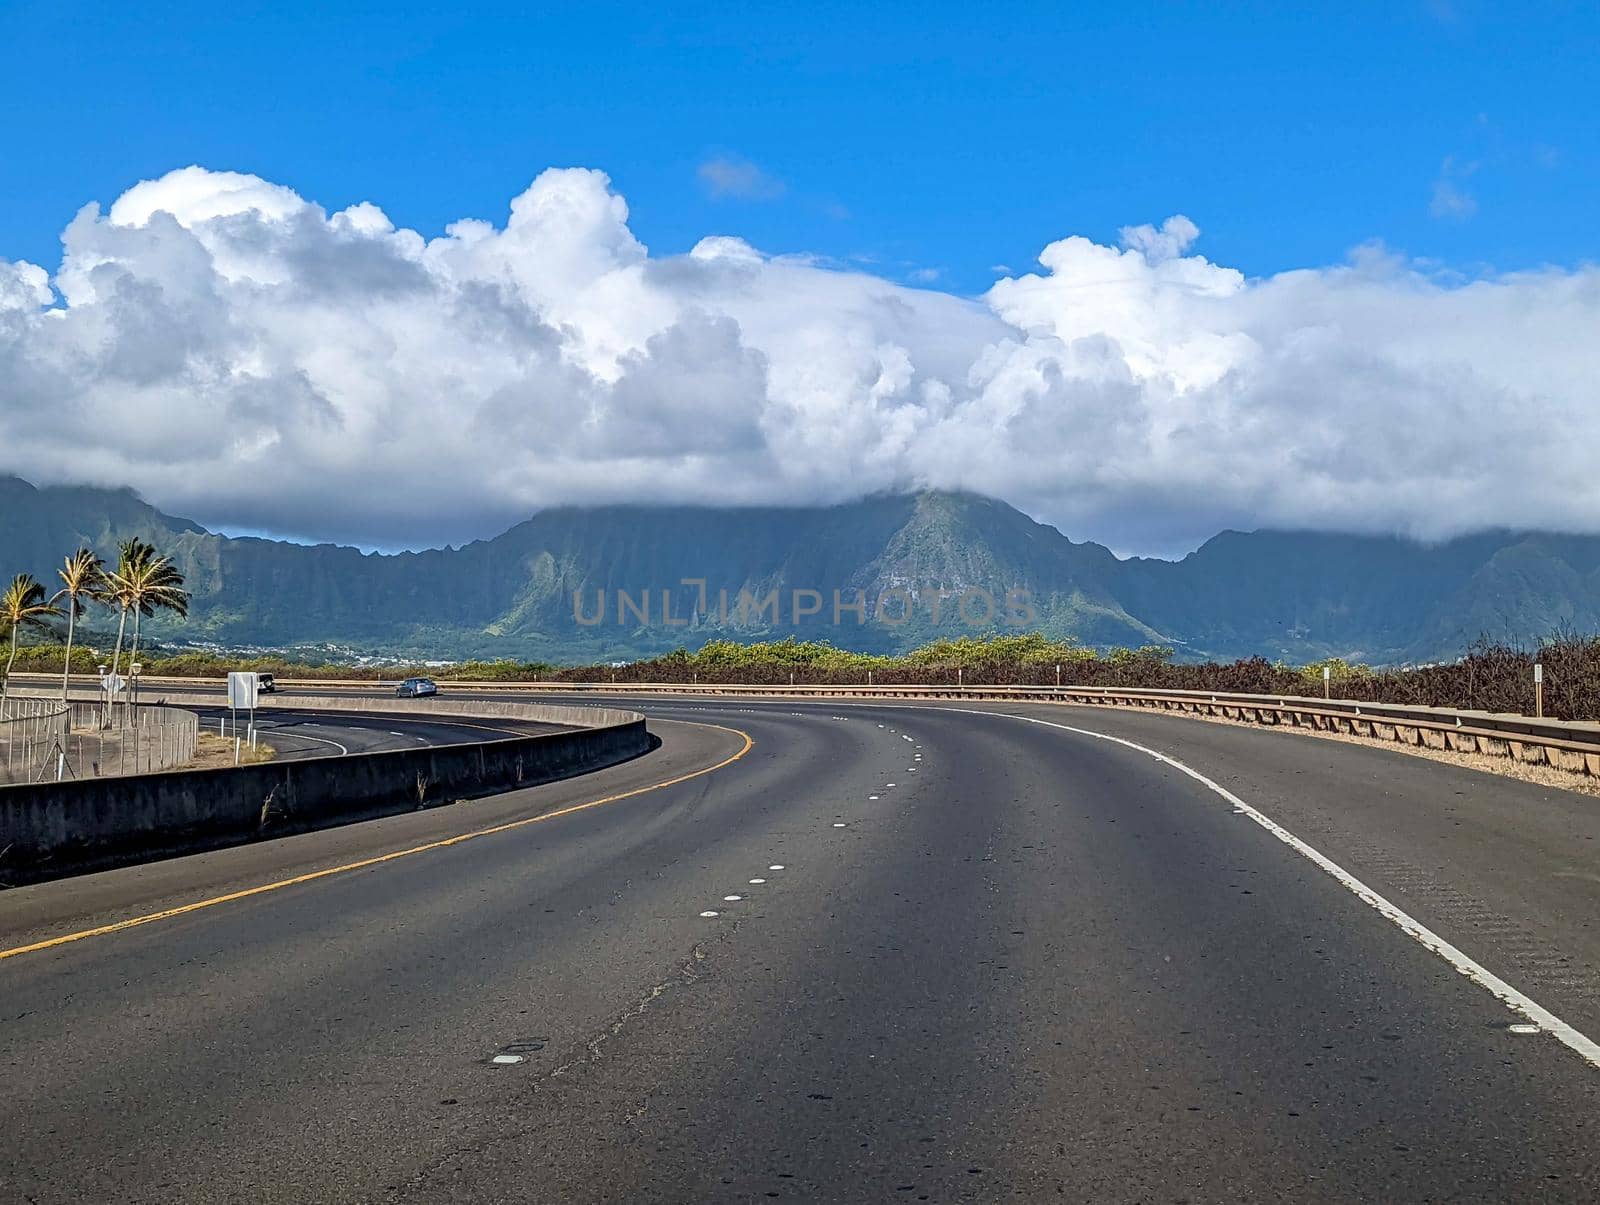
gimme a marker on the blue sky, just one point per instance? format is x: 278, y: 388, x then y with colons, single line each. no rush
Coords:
x: 1146, y: 272
x: 927, y: 138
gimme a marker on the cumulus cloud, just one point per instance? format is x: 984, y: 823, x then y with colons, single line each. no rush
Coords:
x: 240, y: 355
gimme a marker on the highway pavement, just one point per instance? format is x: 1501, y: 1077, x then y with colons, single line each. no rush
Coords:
x: 840, y: 952
x: 294, y: 735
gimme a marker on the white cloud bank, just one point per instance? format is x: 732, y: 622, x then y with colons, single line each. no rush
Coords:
x: 239, y: 355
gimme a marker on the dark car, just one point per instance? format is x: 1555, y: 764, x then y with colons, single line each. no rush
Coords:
x: 266, y: 685
x: 415, y: 688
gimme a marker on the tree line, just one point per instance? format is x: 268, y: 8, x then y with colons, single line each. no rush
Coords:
x: 142, y: 582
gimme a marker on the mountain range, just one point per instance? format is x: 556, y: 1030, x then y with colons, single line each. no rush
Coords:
x: 925, y: 564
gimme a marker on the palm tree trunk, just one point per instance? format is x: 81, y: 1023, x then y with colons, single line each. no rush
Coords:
x: 72, y: 622
x: 116, y: 653
x: 5, y: 687
x: 116, y: 659
x: 133, y: 659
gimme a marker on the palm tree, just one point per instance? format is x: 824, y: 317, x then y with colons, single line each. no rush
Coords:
x: 115, y: 591
x: 81, y: 578
x: 154, y: 584
x: 22, y: 603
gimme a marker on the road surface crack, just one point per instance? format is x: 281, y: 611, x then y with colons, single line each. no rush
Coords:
x: 685, y: 973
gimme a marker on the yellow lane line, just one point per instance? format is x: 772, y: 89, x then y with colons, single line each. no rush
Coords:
x: 262, y: 889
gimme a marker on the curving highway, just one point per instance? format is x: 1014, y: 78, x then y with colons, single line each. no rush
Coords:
x: 295, y: 735
x: 841, y: 952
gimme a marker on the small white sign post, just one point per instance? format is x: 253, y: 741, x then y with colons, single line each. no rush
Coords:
x: 1327, y: 681
x: 1538, y: 689
x: 244, y: 689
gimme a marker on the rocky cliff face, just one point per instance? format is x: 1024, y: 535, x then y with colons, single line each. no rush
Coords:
x: 924, y: 564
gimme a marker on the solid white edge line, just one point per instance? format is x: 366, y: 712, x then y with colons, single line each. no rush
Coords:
x: 300, y: 736
x: 1584, y: 1046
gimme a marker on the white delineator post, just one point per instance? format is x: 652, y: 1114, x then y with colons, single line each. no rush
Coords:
x: 1538, y: 689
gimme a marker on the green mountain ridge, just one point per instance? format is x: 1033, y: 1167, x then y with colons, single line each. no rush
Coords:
x: 1295, y: 595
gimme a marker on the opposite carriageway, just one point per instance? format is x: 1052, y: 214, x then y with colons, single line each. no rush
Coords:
x: 48, y: 829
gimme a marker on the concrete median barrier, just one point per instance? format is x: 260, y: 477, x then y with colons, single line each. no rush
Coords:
x: 50, y: 830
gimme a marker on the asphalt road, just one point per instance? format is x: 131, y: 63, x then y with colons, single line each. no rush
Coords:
x: 971, y: 957
x: 300, y: 734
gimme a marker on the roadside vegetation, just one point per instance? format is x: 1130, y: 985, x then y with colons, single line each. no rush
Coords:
x: 1491, y: 677
x: 48, y: 658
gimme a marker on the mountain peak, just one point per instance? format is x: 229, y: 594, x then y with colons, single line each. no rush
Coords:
x: 1296, y: 595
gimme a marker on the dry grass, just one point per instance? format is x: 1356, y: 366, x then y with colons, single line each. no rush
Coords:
x: 213, y: 752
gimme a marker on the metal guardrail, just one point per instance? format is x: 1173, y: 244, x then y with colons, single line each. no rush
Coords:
x: 1568, y: 745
